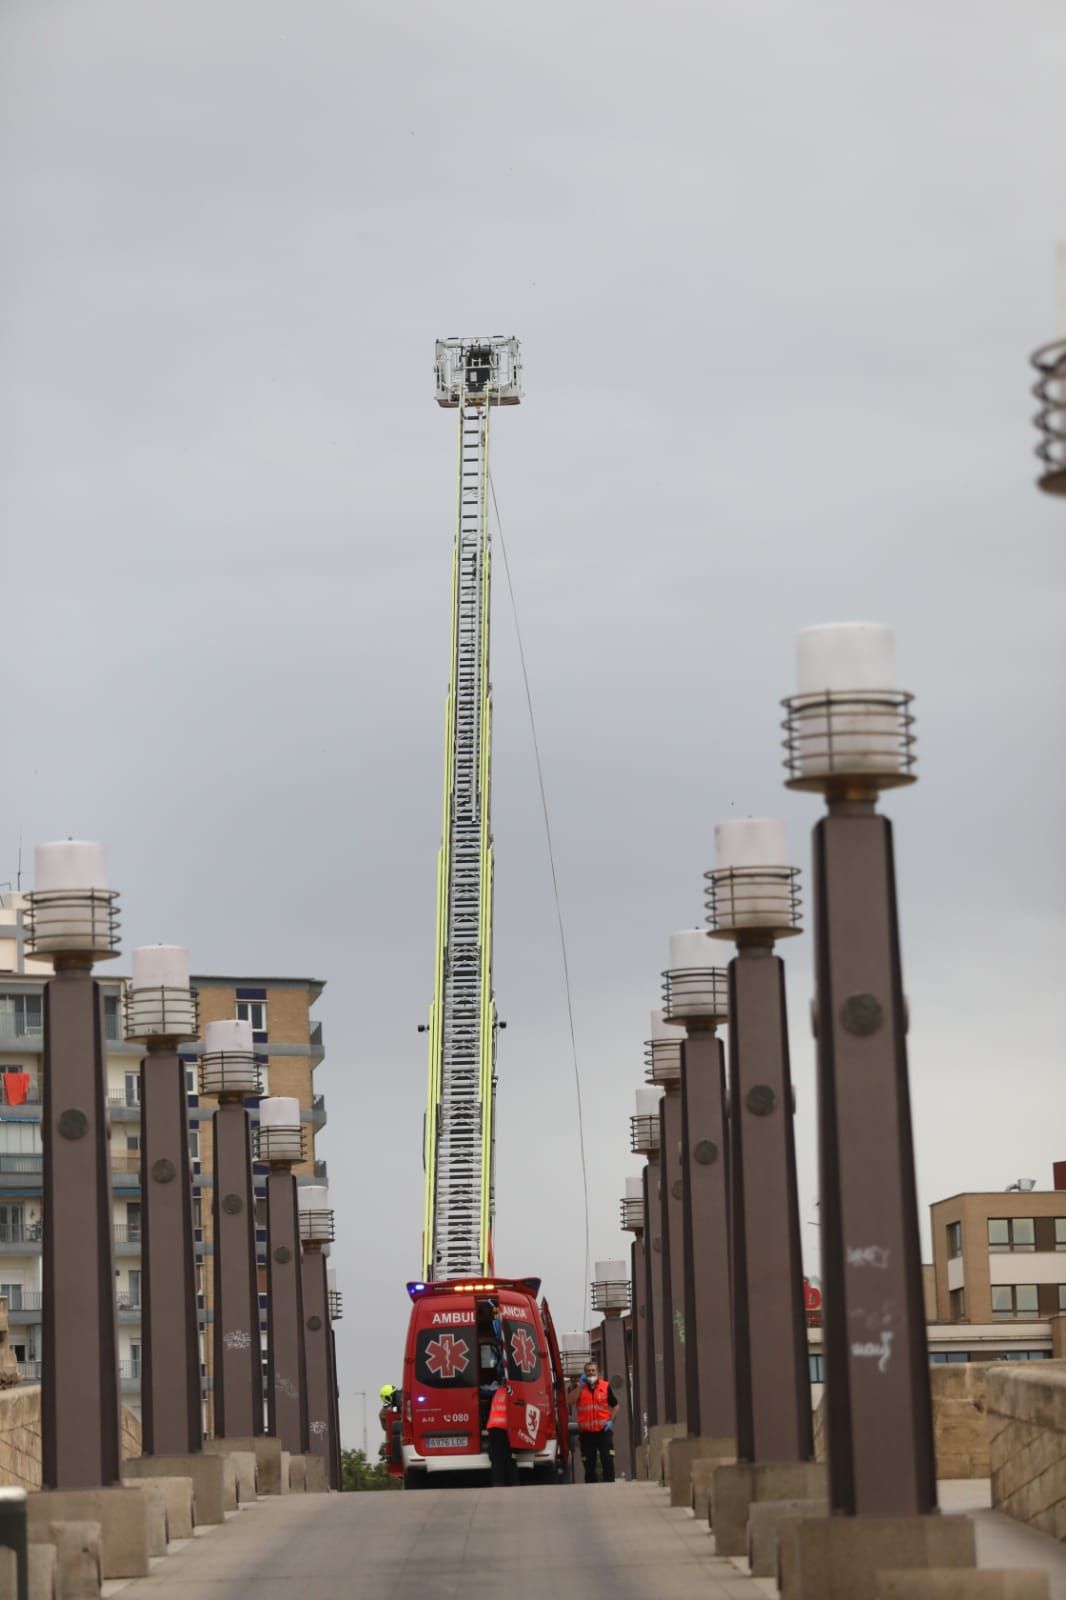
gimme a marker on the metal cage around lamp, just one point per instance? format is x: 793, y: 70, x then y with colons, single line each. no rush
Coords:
x: 160, y: 1012
x: 612, y: 1291
x: 632, y: 1204
x: 1050, y: 420
x: 575, y: 1349
x: 849, y: 740
x: 62, y: 922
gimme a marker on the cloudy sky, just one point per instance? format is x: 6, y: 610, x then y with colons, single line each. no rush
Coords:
x: 777, y: 268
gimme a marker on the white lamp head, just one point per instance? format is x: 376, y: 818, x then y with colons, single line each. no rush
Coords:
x: 848, y: 728
x: 72, y: 912
x: 611, y: 1289
x: 662, y: 1052
x: 316, y: 1217
x: 280, y: 1132
x: 753, y: 894
x: 228, y: 1066
x: 633, y: 1205
x: 159, y: 1002
x: 695, y: 993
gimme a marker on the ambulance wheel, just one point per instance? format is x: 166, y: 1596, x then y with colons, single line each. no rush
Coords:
x: 414, y: 1479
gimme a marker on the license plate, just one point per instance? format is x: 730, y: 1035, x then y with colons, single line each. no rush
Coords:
x: 446, y: 1441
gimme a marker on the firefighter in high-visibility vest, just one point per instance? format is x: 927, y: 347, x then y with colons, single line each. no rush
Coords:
x: 504, y: 1471
x: 596, y: 1407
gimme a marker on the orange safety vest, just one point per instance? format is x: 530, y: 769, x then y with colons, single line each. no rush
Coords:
x: 593, y: 1411
x: 498, y: 1410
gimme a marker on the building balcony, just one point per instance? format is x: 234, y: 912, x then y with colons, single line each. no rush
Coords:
x: 29, y: 1371
x: 22, y: 1172
x: 20, y: 1238
x: 127, y: 1239
x: 23, y: 1306
x: 317, y: 1115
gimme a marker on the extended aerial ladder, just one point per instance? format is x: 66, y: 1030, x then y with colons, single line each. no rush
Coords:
x: 473, y: 376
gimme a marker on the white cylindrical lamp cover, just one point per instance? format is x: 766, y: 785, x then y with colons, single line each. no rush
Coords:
x: 71, y: 907
x: 611, y: 1271
x: 574, y: 1351
x: 842, y: 659
x: 313, y: 1197
x: 279, y: 1111
x: 647, y: 1102
x: 159, y: 1002
x: 635, y: 1188
x: 752, y: 880
x: 696, y: 988
x: 228, y: 1034
x: 663, y: 1032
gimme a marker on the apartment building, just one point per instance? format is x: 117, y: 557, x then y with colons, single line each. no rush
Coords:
x: 288, y: 1044
x: 999, y: 1260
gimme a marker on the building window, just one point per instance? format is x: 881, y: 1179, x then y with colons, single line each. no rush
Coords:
x: 948, y: 1358
x: 111, y: 1027
x: 20, y: 1015
x: 194, y: 1143
x: 135, y: 1289
x: 954, y: 1240
x: 1010, y: 1233
x: 816, y: 1363
x: 190, y: 1079
x: 1060, y: 1233
x: 1025, y: 1355
x: 253, y: 1011
x: 133, y: 1088
x: 12, y: 1293
x: 957, y: 1301
x: 1062, y: 1296
x: 1014, y: 1300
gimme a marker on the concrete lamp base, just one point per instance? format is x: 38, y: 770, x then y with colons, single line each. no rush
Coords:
x: 177, y: 1493
x: 121, y: 1513
x: 267, y: 1452
x: 679, y: 1457
x: 1003, y: 1584
x: 214, y: 1481
x: 840, y: 1558
x: 703, y: 1471
x: 657, y: 1437
x: 64, y: 1559
x: 640, y: 1458
x: 765, y: 1521
x: 733, y: 1489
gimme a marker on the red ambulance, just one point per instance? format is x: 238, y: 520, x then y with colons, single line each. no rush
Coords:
x: 462, y: 1336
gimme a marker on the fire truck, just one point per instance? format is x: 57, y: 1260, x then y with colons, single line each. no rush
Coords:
x: 469, y: 1327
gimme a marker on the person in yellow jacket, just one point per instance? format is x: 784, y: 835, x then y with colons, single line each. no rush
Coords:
x: 596, y: 1407
x: 504, y: 1471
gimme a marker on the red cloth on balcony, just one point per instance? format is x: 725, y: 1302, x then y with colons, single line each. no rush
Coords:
x: 16, y: 1086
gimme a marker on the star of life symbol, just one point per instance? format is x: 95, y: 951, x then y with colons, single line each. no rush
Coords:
x: 447, y: 1355
x: 523, y: 1350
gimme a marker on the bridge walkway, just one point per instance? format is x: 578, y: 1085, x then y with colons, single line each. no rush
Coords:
x: 600, y: 1542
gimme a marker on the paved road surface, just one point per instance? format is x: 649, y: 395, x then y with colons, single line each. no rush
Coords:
x: 603, y: 1542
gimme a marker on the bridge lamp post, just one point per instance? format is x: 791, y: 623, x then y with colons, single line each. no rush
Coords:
x: 73, y: 922
x: 161, y: 1014
x: 316, y: 1234
x: 662, y: 1056
x: 696, y: 996
x: 281, y: 1146
x: 229, y: 1071
x: 645, y: 1139
x: 849, y: 736
x: 633, y: 1222
x: 611, y: 1295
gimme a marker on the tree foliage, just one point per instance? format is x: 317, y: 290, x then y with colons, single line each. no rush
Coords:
x: 358, y: 1473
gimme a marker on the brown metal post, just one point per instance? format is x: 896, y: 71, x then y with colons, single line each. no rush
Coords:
x: 878, y: 1409
x: 640, y: 1345
x: 80, y: 1439
x: 616, y: 1371
x: 674, y: 1255
x: 711, y: 1399
x: 773, y: 1395
x: 171, y: 1406
x: 287, y: 1368
x: 655, y: 1402
x: 335, y: 1476
x: 316, y: 1345
x: 666, y: 1333
x: 238, y: 1360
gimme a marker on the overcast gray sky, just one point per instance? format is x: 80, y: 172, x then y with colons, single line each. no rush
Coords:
x: 777, y: 267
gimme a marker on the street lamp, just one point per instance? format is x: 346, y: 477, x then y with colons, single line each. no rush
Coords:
x: 611, y: 1294
x: 662, y: 1056
x: 633, y: 1222
x: 161, y: 1015
x: 280, y: 1144
x: 316, y: 1232
x: 696, y: 996
x: 72, y: 921
x: 849, y: 735
x: 645, y: 1139
x: 229, y: 1071
x: 753, y: 901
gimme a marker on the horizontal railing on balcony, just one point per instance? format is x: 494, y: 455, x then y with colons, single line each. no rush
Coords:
x: 12, y: 1026
x: 125, y: 1161
x: 23, y: 1299
x: 130, y: 1370
x: 123, y: 1097
x: 127, y: 1302
x: 30, y: 1371
x: 19, y: 1163
x: 20, y: 1233
x: 124, y: 1234
x: 17, y: 1094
